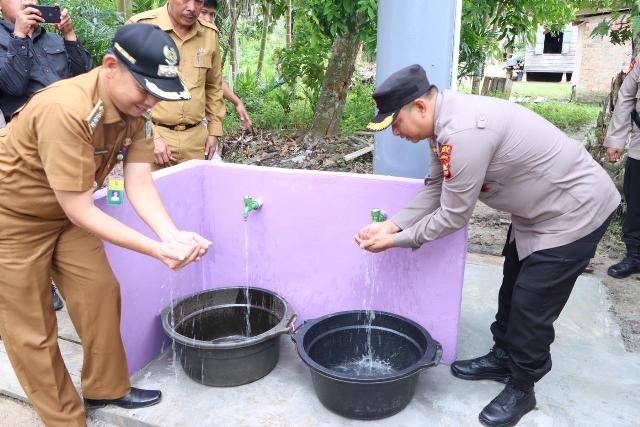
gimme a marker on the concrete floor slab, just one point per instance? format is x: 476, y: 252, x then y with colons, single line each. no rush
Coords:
x: 594, y: 381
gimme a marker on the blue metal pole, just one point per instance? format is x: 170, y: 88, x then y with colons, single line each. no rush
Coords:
x: 413, y: 32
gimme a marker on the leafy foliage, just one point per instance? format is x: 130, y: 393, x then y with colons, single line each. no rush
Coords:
x: 624, y: 22
x: 95, y: 23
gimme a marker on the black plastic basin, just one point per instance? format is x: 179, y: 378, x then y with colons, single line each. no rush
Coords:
x: 346, y: 382
x: 215, y: 343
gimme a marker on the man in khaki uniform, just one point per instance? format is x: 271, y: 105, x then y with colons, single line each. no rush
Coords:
x: 513, y: 160
x: 625, y: 126
x: 67, y: 136
x: 179, y: 133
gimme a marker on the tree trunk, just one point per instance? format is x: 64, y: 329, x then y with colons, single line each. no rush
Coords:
x: 288, y: 26
x: 337, y: 81
x: 124, y: 7
x: 265, y: 31
x: 234, y: 13
x: 476, y: 83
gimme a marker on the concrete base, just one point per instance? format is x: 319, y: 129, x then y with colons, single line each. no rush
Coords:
x: 594, y: 381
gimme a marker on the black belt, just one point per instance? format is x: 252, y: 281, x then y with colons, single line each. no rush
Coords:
x: 635, y: 118
x: 178, y: 127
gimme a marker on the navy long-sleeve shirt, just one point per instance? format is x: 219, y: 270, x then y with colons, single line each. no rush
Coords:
x: 27, y: 65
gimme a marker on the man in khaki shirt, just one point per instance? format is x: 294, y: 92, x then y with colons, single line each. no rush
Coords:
x: 68, y: 136
x: 179, y: 133
x: 513, y: 160
x: 625, y: 127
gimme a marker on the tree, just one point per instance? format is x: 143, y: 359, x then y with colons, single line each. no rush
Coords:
x: 266, y: 13
x: 490, y: 26
x: 344, y: 26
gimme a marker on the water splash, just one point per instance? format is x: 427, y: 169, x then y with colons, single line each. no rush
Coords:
x: 246, y: 278
x: 370, y: 291
x: 367, y: 366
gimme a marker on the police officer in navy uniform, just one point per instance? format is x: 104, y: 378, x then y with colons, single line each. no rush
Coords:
x: 625, y: 126
x: 513, y: 160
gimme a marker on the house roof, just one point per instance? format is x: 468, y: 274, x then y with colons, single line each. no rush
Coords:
x: 599, y: 12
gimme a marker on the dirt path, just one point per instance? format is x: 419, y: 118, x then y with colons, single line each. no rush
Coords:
x: 487, y: 234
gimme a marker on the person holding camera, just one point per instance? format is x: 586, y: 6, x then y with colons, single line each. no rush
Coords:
x: 32, y: 58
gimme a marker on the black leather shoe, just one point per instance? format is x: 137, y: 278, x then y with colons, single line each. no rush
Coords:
x: 629, y: 265
x: 491, y: 366
x: 508, y: 407
x: 57, y: 301
x: 137, y: 398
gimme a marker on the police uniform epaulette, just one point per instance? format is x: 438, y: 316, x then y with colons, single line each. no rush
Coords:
x: 208, y: 25
x: 149, y: 14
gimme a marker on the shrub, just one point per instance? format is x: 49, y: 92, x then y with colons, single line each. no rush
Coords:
x: 359, y: 108
x: 566, y: 116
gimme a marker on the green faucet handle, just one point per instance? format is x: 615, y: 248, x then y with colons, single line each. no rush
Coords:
x: 250, y: 204
x: 378, y: 215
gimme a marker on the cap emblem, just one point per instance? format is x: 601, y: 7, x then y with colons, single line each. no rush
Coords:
x: 170, y: 55
x: 167, y: 71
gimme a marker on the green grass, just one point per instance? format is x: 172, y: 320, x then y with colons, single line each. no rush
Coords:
x: 566, y: 116
x: 551, y: 91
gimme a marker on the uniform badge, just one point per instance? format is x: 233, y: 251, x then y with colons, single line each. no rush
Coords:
x: 445, y: 160
x: 170, y: 55
x: 148, y: 129
x: 201, y: 51
x: 94, y: 117
x: 115, y: 191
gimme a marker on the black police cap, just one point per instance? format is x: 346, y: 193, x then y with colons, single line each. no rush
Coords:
x: 152, y: 57
x: 399, y: 89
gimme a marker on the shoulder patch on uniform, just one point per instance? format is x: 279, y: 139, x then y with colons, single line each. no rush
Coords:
x: 149, y: 14
x: 94, y: 117
x: 210, y: 25
x: 445, y: 160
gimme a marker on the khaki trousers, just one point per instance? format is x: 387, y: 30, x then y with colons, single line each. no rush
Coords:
x: 31, y: 251
x: 185, y: 145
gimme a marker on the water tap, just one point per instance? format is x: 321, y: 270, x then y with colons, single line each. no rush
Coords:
x: 250, y: 204
x: 378, y: 215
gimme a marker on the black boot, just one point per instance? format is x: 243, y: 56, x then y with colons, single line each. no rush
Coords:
x: 491, y: 366
x: 137, y: 398
x: 629, y: 265
x: 57, y: 301
x: 509, y: 406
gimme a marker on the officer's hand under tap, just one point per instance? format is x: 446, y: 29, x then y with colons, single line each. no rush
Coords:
x: 377, y: 236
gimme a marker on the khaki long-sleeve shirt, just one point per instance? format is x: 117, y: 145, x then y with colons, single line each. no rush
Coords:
x: 199, y: 69
x: 514, y: 161
x: 621, y: 128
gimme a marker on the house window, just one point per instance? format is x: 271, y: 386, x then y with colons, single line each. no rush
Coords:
x: 553, y: 42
